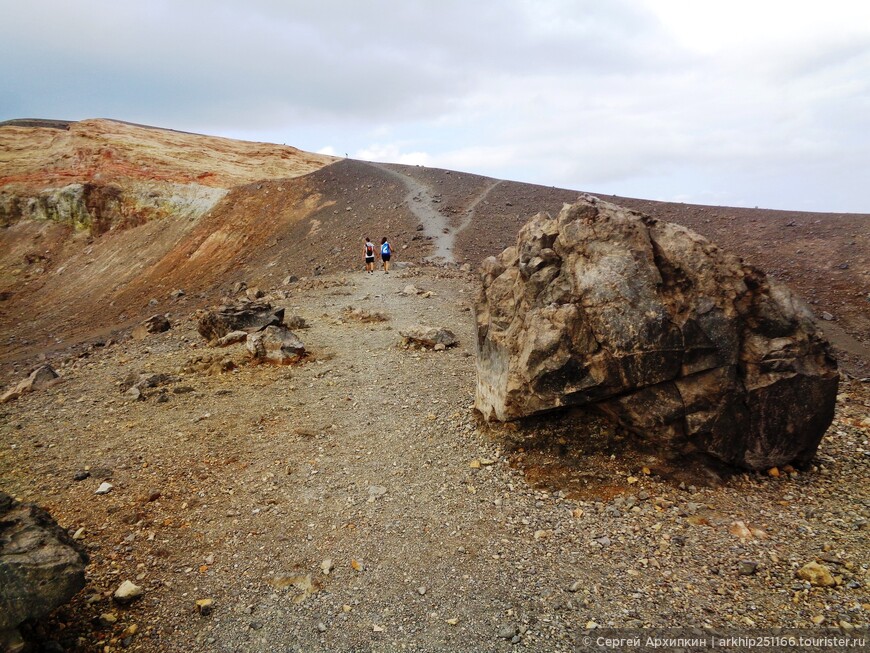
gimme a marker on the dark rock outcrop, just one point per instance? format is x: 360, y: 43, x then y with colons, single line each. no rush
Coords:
x: 658, y: 328
x: 41, y: 566
x: 244, y: 316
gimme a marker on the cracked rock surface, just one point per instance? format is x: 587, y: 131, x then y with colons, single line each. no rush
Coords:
x: 656, y: 327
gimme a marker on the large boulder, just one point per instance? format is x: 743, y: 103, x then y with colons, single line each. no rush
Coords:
x: 275, y: 344
x: 41, y: 567
x: 656, y: 327
x: 244, y: 316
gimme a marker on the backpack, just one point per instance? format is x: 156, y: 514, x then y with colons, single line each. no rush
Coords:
x: 385, y: 249
x: 370, y: 249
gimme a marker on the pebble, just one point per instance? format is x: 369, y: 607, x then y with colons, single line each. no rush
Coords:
x: 321, y: 627
x: 326, y: 566
x: 376, y: 491
x: 747, y: 567
x: 205, y: 606
x: 507, y: 631
x: 104, y: 488
x: 81, y: 475
x: 108, y: 619
x: 817, y: 575
x: 421, y: 590
x: 576, y: 586
x: 127, y: 592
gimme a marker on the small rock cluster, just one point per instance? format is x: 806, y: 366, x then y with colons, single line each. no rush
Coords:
x: 256, y: 323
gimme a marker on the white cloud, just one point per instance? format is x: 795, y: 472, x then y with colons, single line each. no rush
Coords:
x: 747, y: 101
x: 392, y: 153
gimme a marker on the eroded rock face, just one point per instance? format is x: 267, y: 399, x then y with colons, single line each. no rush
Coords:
x: 275, y: 344
x: 244, y: 316
x: 658, y: 328
x: 41, y: 567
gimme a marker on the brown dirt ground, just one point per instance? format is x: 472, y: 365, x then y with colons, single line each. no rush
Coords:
x: 443, y: 532
x: 265, y: 472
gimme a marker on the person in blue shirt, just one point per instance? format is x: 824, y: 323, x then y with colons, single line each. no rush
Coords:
x: 386, y: 253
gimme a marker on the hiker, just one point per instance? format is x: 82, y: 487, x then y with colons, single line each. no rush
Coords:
x: 386, y: 252
x: 369, y: 252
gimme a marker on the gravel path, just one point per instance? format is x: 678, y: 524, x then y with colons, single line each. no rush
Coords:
x: 421, y: 200
x: 438, y: 533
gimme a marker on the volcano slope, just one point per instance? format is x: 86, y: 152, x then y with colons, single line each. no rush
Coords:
x: 441, y: 533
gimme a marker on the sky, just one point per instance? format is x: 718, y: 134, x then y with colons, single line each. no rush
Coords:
x: 736, y: 103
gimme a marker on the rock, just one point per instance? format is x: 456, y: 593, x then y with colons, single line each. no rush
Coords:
x: 276, y: 344
x: 154, y: 324
x: 507, y: 631
x: 817, y: 575
x: 321, y: 627
x: 239, y: 287
x: 244, y: 316
x: 205, y: 606
x: 741, y: 530
x: 327, y: 566
x: 827, y: 316
x: 576, y: 586
x: 232, y: 338
x: 177, y: 293
x: 427, y: 337
x: 376, y: 491
x: 104, y: 488
x: 364, y: 315
x: 141, y: 381
x: 296, y: 322
x: 107, y: 619
x: 747, y: 567
x: 421, y: 590
x: 292, y: 278
x: 41, y: 567
x: 254, y: 293
x: 81, y: 475
x: 127, y: 592
x: 410, y: 290
x: 42, y: 377
x: 656, y: 327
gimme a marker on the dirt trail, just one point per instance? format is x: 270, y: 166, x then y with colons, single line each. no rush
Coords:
x: 470, y: 211
x: 436, y: 226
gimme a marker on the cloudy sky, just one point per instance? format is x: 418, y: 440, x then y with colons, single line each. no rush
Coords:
x: 727, y: 102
